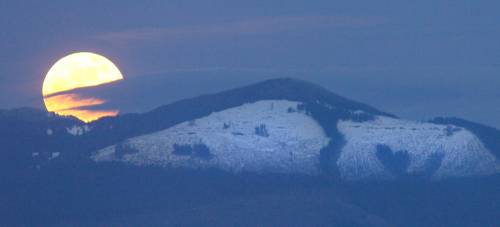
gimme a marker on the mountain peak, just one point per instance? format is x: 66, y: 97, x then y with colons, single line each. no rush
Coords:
x: 280, y: 89
x: 274, y: 89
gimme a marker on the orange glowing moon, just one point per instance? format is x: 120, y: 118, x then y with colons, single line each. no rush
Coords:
x: 78, y: 70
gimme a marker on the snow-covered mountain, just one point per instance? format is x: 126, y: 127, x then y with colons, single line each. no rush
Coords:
x: 282, y: 152
x: 279, y: 136
x: 282, y: 126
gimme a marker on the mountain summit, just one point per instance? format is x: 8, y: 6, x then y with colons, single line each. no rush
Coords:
x: 293, y: 127
x: 282, y: 126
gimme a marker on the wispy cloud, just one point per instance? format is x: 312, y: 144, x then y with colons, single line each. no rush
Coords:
x: 78, y: 106
x: 213, y: 69
x: 244, y: 27
x: 321, y: 69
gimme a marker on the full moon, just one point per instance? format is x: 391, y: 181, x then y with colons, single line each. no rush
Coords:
x: 78, y: 70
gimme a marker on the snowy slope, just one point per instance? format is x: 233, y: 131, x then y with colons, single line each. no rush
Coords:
x: 265, y: 136
x: 461, y: 152
x: 276, y: 136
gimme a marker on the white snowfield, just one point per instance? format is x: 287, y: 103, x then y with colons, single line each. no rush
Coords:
x: 78, y: 130
x: 290, y: 144
x: 271, y: 136
x: 463, y: 154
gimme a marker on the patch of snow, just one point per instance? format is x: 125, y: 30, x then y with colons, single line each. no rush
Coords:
x: 358, y: 112
x: 54, y: 155
x: 463, y: 153
x: 78, y: 130
x: 291, y: 145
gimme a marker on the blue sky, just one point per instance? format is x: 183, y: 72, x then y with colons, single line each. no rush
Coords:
x: 415, y: 59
